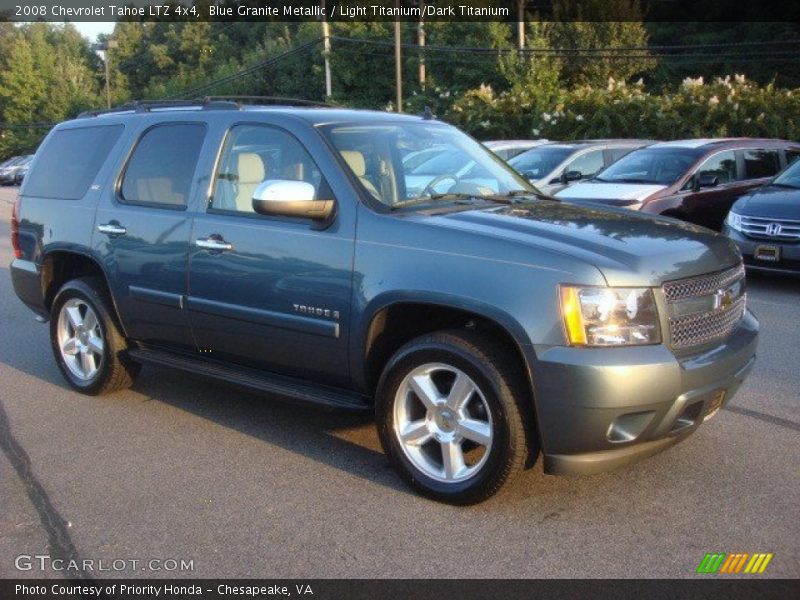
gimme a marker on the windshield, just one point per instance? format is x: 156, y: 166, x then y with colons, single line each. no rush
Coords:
x: 790, y: 176
x: 662, y: 166
x: 539, y: 162
x: 455, y: 166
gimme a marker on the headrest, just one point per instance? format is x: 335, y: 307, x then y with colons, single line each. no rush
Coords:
x: 251, y: 168
x: 355, y: 160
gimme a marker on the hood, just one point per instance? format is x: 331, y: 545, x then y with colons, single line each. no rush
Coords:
x: 771, y: 202
x: 598, y: 191
x: 629, y: 248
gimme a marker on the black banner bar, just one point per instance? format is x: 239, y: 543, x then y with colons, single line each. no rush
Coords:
x: 389, y: 10
x: 730, y: 588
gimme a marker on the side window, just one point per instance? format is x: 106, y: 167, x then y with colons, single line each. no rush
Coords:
x: 760, y: 163
x: 616, y: 153
x: 70, y: 160
x: 587, y: 164
x: 722, y: 166
x: 161, y: 169
x: 791, y: 156
x: 254, y: 154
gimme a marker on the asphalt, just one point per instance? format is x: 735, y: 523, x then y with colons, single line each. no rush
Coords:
x: 181, y: 468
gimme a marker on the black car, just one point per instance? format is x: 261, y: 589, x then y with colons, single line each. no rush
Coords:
x: 765, y: 224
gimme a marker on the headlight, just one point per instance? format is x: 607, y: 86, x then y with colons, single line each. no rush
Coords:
x: 604, y: 316
x: 734, y: 221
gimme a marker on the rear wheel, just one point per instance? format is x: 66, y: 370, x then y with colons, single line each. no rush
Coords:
x: 87, y: 344
x: 454, y: 417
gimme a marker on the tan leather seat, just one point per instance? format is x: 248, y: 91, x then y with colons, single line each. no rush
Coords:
x: 158, y: 189
x: 355, y: 160
x: 251, y: 174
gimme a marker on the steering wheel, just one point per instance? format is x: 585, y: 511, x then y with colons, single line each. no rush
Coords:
x: 429, y: 189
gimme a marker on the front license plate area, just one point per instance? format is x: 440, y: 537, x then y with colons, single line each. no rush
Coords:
x: 767, y: 253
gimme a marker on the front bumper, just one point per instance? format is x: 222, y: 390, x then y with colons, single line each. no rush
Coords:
x: 789, y: 262
x: 601, y: 408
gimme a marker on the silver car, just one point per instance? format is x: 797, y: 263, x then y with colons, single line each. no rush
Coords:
x: 554, y: 166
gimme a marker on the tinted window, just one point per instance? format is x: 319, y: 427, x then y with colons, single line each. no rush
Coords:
x: 657, y: 165
x: 69, y: 161
x: 791, y: 156
x: 254, y: 154
x: 761, y: 163
x: 722, y: 166
x: 161, y: 169
x: 587, y: 164
x: 539, y: 162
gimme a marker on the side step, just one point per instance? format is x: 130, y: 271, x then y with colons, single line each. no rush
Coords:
x: 296, y: 390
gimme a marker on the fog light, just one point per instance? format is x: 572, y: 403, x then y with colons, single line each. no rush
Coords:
x: 627, y: 428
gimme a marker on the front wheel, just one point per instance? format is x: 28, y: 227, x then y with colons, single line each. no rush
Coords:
x: 454, y: 416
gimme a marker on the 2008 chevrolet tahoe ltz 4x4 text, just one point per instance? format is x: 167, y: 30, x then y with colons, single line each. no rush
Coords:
x: 285, y: 250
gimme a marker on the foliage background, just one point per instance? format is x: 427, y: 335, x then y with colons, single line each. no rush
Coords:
x: 729, y: 85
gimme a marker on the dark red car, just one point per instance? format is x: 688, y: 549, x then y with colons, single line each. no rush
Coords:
x: 693, y: 180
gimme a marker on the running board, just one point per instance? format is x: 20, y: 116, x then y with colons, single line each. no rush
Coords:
x: 296, y: 390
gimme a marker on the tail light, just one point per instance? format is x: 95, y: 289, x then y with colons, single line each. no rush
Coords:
x: 15, y: 229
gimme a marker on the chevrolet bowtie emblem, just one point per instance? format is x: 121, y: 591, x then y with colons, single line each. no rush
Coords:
x: 723, y: 299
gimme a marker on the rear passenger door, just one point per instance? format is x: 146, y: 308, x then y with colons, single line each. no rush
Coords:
x: 142, y: 231
x: 271, y: 293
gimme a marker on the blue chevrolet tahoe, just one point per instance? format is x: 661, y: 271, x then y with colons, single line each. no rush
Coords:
x: 283, y: 249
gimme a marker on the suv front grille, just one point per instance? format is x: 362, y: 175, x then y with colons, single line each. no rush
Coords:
x: 693, y: 330
x: 705, y: 308
x: 780, y: 230
x: 704, y: 285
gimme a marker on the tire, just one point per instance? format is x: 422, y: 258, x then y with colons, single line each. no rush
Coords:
x: 472, y: 433
x: 91, y: 352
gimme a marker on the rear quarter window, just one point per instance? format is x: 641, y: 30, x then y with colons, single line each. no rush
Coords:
x: 761, y: 163
x: 69, y: 160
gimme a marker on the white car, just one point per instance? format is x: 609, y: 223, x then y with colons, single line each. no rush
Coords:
x: 507, y: 149
x: 554, y: 166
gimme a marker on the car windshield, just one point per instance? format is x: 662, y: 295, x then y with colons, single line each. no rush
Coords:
x: 11, y: 162
x: 790, y: 176
x: 457, y: 168
x: 540, y: 162
x: 663, y: 166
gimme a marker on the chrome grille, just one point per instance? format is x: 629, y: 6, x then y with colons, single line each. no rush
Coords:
x: 705, y: 308
x: 700, y: 328
x: 780, y: 230
x: 704, y: 285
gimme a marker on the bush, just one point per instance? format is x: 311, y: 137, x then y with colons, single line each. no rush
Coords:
x: 725, y: 107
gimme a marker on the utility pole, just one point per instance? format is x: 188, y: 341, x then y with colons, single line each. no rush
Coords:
x: 398, y: 65
x: 521, y: 24
x: 421, y: 44
x: 326, y: 51
x: 108, y: 45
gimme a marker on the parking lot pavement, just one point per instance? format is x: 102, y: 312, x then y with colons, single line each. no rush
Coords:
x: 181, y: 468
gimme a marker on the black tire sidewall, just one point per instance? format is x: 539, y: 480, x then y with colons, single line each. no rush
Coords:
x: 462, y: 492
x: 84, y: 291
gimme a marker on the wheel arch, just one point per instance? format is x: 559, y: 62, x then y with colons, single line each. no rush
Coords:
x: 60, y: 265
x: 394, y: 319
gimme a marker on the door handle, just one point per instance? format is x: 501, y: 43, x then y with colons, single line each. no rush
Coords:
x: 112, y: 229
x: 213, y: 242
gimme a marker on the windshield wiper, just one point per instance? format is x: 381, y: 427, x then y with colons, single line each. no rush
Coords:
x: 454, y: 197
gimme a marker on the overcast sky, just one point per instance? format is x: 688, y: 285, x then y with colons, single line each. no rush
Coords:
x: 90, y: 30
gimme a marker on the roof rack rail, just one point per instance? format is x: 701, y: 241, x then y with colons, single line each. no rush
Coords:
x: 138, y: 106
x: 282, y: 100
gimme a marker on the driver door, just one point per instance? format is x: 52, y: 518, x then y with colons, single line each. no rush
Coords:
x: 270, y: 292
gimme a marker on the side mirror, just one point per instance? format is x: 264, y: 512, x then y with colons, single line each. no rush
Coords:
x: 705, y: 180
x: 287, y: 198
x: 569, y: 176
